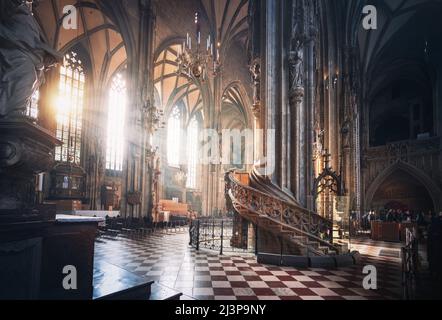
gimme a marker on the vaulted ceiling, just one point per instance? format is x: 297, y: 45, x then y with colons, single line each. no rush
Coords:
x: 393, y: 16
x: 228, y: 18
x: 96, y: 32
x: 171, y: 87
x: 233, y: 114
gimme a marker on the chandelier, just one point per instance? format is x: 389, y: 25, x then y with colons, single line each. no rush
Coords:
x: 195, y: 60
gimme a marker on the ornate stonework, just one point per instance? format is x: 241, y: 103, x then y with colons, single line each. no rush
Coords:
x: 255, y: 70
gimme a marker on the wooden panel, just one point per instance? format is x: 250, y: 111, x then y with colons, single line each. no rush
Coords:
x: 385, y: 231
x: 68, y: 205
x: 68, y: 244
x: 20, y: 263
x: 173, y: 207
x: 243, y: 178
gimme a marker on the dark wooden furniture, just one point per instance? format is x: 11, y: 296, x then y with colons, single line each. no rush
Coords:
x: 385, y: 231
x: 68, y: 243
x: 33, y: 255
x: 390, y: 231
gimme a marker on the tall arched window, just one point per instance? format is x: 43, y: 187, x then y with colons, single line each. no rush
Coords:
x: 174, y: 137
x: 69, y: 109
x: 192, y: 152
x: 115, y: 123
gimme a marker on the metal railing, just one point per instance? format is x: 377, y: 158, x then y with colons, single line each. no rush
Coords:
x: 410, y: 263
x: 213, y: 234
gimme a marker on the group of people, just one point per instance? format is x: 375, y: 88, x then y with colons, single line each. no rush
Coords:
x: 397, y: 215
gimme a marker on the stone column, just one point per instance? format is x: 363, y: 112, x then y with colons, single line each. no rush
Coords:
x: 298, y: 104
x: 270, y: 83
x: 136, y: 189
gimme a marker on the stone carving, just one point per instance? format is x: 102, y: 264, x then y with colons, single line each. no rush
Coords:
x: 25, y: 150
x: 318, y: 146
x: 346, y: 134
x: 296, y: 61
x: 296, y: 55
x: 416, y: 153
x: 24, y: 56
x: 309, y: 224
x: 255, y: 70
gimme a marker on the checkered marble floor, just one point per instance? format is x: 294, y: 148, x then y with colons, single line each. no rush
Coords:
x: 204, y: 275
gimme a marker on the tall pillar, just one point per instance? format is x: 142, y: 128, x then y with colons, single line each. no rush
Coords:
x: 270, y: 83
x: 136, y: 189
x: 299, y: 73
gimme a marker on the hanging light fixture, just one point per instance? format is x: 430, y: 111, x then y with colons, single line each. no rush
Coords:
x: 195, y: 60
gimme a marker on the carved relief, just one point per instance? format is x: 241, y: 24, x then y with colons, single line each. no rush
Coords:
x: 416, y: 153
x: 318, y: 146
x: 244, y: 198
x: 296, y: 54
x: 255, y: 70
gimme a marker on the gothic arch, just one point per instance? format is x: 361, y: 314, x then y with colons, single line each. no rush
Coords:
x: 432, y: 189
x: 171, y: 87
x: 99, y: 32
x: 236, y: 91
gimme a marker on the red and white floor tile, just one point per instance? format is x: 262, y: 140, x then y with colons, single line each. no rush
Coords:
x: 203, y: 275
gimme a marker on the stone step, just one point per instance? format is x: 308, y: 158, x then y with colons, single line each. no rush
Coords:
x: 161, y: 292
x: 140, y: 292
x: 111, y: 282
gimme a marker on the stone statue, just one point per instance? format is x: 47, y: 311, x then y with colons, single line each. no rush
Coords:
x: 24, y: 56
x: 297, y: 65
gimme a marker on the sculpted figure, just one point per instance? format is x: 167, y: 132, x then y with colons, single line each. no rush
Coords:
x: 296, y: 60
x: 24, y: 56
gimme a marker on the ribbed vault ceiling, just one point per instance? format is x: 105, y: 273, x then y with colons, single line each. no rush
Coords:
x: 171, y: 87
x: 95, y: 31
x: 229, y: 19
x: 393, y: 15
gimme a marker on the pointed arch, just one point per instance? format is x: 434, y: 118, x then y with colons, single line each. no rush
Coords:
x: 236, y: 96
x: 431, y: 187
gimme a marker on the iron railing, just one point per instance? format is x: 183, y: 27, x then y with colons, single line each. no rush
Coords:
x: 410, y: 263
x: 213, y: 234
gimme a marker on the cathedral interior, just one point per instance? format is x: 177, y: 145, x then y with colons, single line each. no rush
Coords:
x: 220, y: 149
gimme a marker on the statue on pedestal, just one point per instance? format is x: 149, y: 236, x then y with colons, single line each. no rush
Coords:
x: 24, y: 56
x: 25, y: 149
